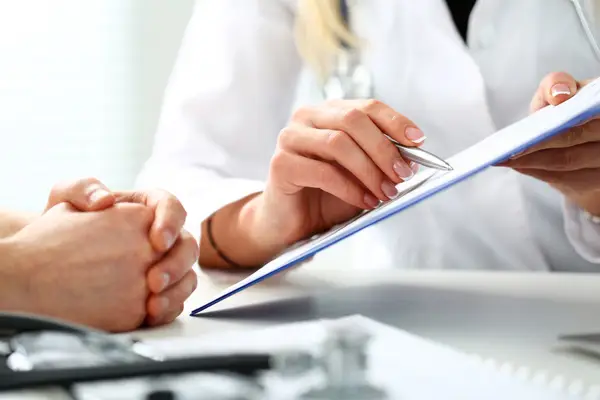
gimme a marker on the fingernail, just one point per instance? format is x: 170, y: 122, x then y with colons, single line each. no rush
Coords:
x: 371, y: 200
x: 415, y: 135
x: 164, y: 304
x: 168, y: 239
x: 165, y: 279
x: 414, y: 167
x: 389, y: 189
x: 403, y: 170
x: 560, y: 89
x: 98, y: 195
x: 192, y: 288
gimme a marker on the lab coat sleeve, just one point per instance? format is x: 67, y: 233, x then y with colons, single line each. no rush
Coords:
x: 230, y: 94
x: 582, y: 232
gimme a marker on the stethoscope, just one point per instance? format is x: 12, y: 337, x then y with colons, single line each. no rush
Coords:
x: 587, y: 28
x: 350, y: 79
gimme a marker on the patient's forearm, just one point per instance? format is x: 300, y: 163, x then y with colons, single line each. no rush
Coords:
x: 12, y: 222
x: 14, y: 289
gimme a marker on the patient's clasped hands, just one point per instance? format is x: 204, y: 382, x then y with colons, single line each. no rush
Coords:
x: 110, y: 260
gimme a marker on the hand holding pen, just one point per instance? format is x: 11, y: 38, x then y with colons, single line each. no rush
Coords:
x: 331, y: 162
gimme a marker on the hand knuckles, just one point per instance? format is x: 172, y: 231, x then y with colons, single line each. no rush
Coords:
x: 301, y: 114
x: 353, y: 116
x: 141, y: 214
x: 325, y: 175
x: 372, y: 104
x: 347, y: 190
x: 338, y: 141
x: 279, y: 163
x: 175, y: 205
x: 286, y: 137
x: 385, y: 147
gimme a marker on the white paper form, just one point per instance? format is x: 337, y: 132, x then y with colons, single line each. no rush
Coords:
x: 494, y: 149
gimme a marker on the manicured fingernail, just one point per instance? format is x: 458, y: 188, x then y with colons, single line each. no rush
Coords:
x: 165, y: 279
x: 560, y: 89
x: 415, y: 135
x: 389, y: 189
x: 371, y: 200
x: 403, y: 170
x: 414, y: 167
x: 168, y: 239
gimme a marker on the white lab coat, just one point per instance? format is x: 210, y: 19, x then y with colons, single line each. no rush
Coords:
x: 238, y: 78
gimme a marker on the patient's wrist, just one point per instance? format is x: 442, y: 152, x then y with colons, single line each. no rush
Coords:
x: 16, y: 292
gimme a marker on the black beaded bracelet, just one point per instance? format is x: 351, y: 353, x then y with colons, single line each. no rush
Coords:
x: 211, y: 239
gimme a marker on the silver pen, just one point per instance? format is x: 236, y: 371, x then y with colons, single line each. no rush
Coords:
x: 421, y: 156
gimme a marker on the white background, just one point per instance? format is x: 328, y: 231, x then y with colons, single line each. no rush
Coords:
x: 81, y: 83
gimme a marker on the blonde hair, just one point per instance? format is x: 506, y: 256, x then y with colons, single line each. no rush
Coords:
x: 319, y: 31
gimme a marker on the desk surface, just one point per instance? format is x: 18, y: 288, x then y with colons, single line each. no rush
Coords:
x: 511, y: 317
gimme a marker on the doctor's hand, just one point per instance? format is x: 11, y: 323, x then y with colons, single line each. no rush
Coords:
x: 570, y: 161
x: 171, y: 279
x: 331, y: 162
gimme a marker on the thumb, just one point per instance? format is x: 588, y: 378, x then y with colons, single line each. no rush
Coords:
x: 84, y: 195
x: 554, y: 89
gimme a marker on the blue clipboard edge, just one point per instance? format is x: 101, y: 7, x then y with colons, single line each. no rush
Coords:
x: 578, y: 119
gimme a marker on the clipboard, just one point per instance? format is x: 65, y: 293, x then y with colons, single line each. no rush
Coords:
x: 492, y: 150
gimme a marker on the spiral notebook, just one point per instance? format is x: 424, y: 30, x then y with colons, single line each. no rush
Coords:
x: 494, y: 149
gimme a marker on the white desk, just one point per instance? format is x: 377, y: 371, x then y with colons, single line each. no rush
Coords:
x: 508, y: 316
x: 511, y: 317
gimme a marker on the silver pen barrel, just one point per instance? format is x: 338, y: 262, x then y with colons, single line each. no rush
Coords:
x: 421, y: 156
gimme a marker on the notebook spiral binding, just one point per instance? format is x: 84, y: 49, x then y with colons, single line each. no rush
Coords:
x: 575, y: 388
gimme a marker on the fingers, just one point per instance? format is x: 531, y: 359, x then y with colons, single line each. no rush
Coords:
x: 563, y: 159
x: 85, y: 195
x: 579, y: 181
x: 169, y: 215
x: 578, y: 135
x: 388, y: 120
x: 367, y: 123
x: 339, y: 147
x: 166, y: 307
x: 554, y: 89
x: 175, y: 265
x: 299, y: 172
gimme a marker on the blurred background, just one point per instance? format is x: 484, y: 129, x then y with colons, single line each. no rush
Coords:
x: 81, y: 83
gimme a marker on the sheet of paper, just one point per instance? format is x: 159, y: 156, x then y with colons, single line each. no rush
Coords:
x: 406, y: 366
x: 488, y: 152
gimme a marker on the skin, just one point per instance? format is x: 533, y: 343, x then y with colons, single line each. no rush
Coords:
x: 333, y: 160
x: 111, y: 260
x: 568, y: 162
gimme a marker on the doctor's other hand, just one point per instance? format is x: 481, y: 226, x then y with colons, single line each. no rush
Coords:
x: 569, y: 162
x: 171, y: 280
x: 331, y: 162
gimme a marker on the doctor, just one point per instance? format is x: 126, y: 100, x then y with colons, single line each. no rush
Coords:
x: 273, y: 125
